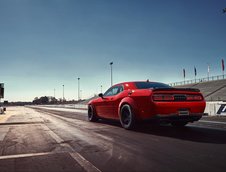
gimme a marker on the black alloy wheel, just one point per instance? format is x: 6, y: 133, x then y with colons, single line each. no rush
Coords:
x: 127, y: 117
x: 91, y: 114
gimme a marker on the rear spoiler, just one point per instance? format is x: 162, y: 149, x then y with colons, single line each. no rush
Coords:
x: 177, y: 89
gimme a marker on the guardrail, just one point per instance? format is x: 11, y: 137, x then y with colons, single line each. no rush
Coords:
x: 196, y: 81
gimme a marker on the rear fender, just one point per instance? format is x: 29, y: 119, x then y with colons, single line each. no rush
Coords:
x: 130, y: 101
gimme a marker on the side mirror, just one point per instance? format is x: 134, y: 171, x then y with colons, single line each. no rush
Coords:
x: 101, y: 95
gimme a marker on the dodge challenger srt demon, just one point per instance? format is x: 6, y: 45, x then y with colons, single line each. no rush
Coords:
x: 129, y: 102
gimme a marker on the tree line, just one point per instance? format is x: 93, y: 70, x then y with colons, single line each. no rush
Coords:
x: 51, y: 100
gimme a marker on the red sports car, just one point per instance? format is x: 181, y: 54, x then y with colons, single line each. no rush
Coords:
x: 133, y: 101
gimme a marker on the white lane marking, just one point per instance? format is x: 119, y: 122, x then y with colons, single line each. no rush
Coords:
x: 76, y: 156
x: 84, y: 163
x: 88, y: 166
x: 52, y: 134
x: 213, y: 122
x: 24, y: 155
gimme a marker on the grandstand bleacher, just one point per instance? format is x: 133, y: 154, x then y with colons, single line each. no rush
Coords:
x: 212, y: 90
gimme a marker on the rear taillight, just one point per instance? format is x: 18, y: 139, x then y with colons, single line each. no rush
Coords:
x: 194, y: 97
x: 163, y: 97
x: 176, y: 97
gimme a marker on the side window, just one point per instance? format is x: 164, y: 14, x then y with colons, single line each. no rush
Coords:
x: 113, y: 91
x: 120, y: 89
x: 108, y: 92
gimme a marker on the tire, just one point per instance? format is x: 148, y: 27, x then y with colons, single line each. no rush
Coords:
x: 127, y: 118
x: 179, y: 124
x: 92, y: 114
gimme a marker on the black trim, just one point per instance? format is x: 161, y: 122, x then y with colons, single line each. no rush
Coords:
x: 174, y: 117
x: 177, y: 89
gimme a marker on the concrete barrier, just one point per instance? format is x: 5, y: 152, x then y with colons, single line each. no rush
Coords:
x: 216, y: 108
x: 69, y: 106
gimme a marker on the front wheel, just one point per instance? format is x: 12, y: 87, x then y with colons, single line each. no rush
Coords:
x: 91, y: 114
x: 127, y: 117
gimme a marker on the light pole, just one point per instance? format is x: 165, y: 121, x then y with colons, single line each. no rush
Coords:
x: 111, y: 73
x: 54, y: 96
x: 63, y: 93
x: 101, y: 88
x: 78, y: 89
x: 80, y: 95
x: 222, y: 65
x: 208, y: 71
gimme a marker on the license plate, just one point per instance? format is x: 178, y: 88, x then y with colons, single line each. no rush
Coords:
x: 183, y: 112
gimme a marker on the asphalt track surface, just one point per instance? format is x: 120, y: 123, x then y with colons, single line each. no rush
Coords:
x: 42, y: 140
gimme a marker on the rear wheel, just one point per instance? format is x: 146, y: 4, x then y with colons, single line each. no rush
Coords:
x: 91, y: 114
x: 179, y: 124
x: 127, y: 117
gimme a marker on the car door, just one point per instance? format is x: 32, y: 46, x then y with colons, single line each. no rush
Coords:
x: 107, y: 107
x: 115, y: 100
x: 112, y: 102
x: 103, y: 105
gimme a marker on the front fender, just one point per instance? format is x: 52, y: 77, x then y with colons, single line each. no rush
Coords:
x: 130, y: 101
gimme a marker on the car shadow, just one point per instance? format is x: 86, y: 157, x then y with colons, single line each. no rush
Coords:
x: 110, y: 122
x: 188, y: 133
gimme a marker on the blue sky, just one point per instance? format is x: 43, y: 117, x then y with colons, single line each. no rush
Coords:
x: 47, y: 43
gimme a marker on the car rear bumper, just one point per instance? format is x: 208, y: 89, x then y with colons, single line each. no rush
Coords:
x: 175, y: 117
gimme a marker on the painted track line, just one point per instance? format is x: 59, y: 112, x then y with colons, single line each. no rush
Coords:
x: 76, y: 156
x: 88, y: 166
x: 24, y: 155
x: 84, y: 163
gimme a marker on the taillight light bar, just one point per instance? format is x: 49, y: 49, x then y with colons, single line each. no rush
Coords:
x: 169, y: 97
x: 163, y: 97
x: 194, y: 97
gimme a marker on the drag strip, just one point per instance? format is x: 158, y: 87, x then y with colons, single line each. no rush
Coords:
x: 154, y: 148
x: 67, y: 141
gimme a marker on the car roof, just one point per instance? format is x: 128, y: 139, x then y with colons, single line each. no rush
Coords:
x: 131, y: 84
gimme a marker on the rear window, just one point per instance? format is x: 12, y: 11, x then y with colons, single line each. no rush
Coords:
x: 146, y: 85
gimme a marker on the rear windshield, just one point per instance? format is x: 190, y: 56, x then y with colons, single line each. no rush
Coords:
x: 146, y: 85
